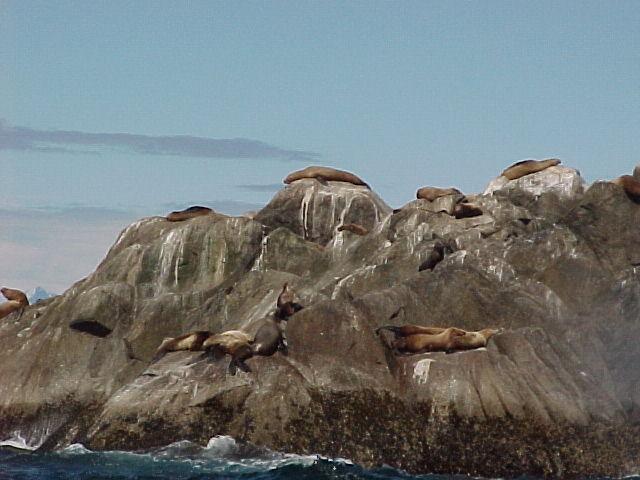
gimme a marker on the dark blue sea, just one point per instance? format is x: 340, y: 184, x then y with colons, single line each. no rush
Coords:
x: 221, y: 459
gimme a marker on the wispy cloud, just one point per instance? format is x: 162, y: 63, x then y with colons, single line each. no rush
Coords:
x: 71, y: 141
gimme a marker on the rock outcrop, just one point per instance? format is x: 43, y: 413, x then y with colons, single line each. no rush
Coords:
x: 557, y: 393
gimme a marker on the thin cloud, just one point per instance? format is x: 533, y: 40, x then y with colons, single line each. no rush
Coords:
x: 69, y: 141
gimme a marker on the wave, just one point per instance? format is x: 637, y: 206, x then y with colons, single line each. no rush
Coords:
x: 223, y: 457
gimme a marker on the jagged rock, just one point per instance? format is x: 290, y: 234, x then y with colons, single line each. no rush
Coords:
x: 564, y: 181
x: 555, y: 267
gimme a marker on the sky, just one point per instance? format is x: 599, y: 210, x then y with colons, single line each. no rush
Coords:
x: 115, y: 110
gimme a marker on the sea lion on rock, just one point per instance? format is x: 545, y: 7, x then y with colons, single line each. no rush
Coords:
x: 525, y: 167
x: 192, y: 341
x: 15, y: 295
x: 186, y: 214
x: 232, y: 342
x: 431, y: 193
x: 630, y: 185
x: 325, y: 174
x: 409, y: 339
x: 17, y: 300
x: 466, y: 210
x: 286, y: 304
x: 353, y: 228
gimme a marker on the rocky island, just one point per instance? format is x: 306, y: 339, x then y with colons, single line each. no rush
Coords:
x: 550, y: 261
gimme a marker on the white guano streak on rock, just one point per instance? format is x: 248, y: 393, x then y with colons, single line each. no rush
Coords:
x: 172, y: 244
x: 421, y: 370
x: 304, y: 209
x: 259, y: 263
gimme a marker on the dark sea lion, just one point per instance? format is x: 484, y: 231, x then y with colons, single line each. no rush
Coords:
x: 192, y: 341
x: 440, y: 249
x: 186, y: 214
x: 325, y: 174
x: 353, y: 228
x: 286, y: 304
x: 431, y: 193
x: 630, y: 185
x: 232, y: 342
x: 525, y: 167
x: 466, y: 210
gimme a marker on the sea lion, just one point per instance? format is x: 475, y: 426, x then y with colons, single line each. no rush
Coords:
x: 15, y: 295
x: 325, y: 174
x: 186, y: 214
x: 440, y: 249
x: 192, y: 341
x: 630, y: 185
x: 466, y: 210
x: 17, y: 300
x: 636, y: 172
x: 232, y: 342
x: 410, y: 339
x: 353, y: 228
x: 525, y: 167
x: 286, y: 304
x: 471, y: 340
x: 431, y: 193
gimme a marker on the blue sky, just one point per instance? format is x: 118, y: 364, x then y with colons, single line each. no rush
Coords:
x: 217, y: 101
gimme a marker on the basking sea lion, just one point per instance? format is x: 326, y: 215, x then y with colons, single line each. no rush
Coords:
x: 192, y: 341
x: 353, y: 228
x: 17, y: 300
x: 325, y: 174
x: 186, y: 214
x: 431, y: 193
x: 417, y: 339
x: 630, y: 185
x: 466, y: 210
x: 525, y: 167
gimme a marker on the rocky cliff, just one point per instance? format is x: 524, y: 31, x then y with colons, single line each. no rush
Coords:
x: 551, y: 262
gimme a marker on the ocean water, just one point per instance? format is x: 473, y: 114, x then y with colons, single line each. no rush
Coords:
x: 222, y: 458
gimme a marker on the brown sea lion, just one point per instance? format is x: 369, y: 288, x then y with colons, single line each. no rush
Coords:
x: 630, y: 185
x: 15, y: 295
x: 525, y: 167
x: 325, y: 174
x: 431, y: 193
x: 192, y: 341
x: 232, y: 342
x: 353, y: 228
x: 472, y: 340
x: 17, y: 300
x: 466, y: 210
x: 417, y: 339
x: 186, y: 214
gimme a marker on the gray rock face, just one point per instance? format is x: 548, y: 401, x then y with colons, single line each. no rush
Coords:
x: 557, y: 393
